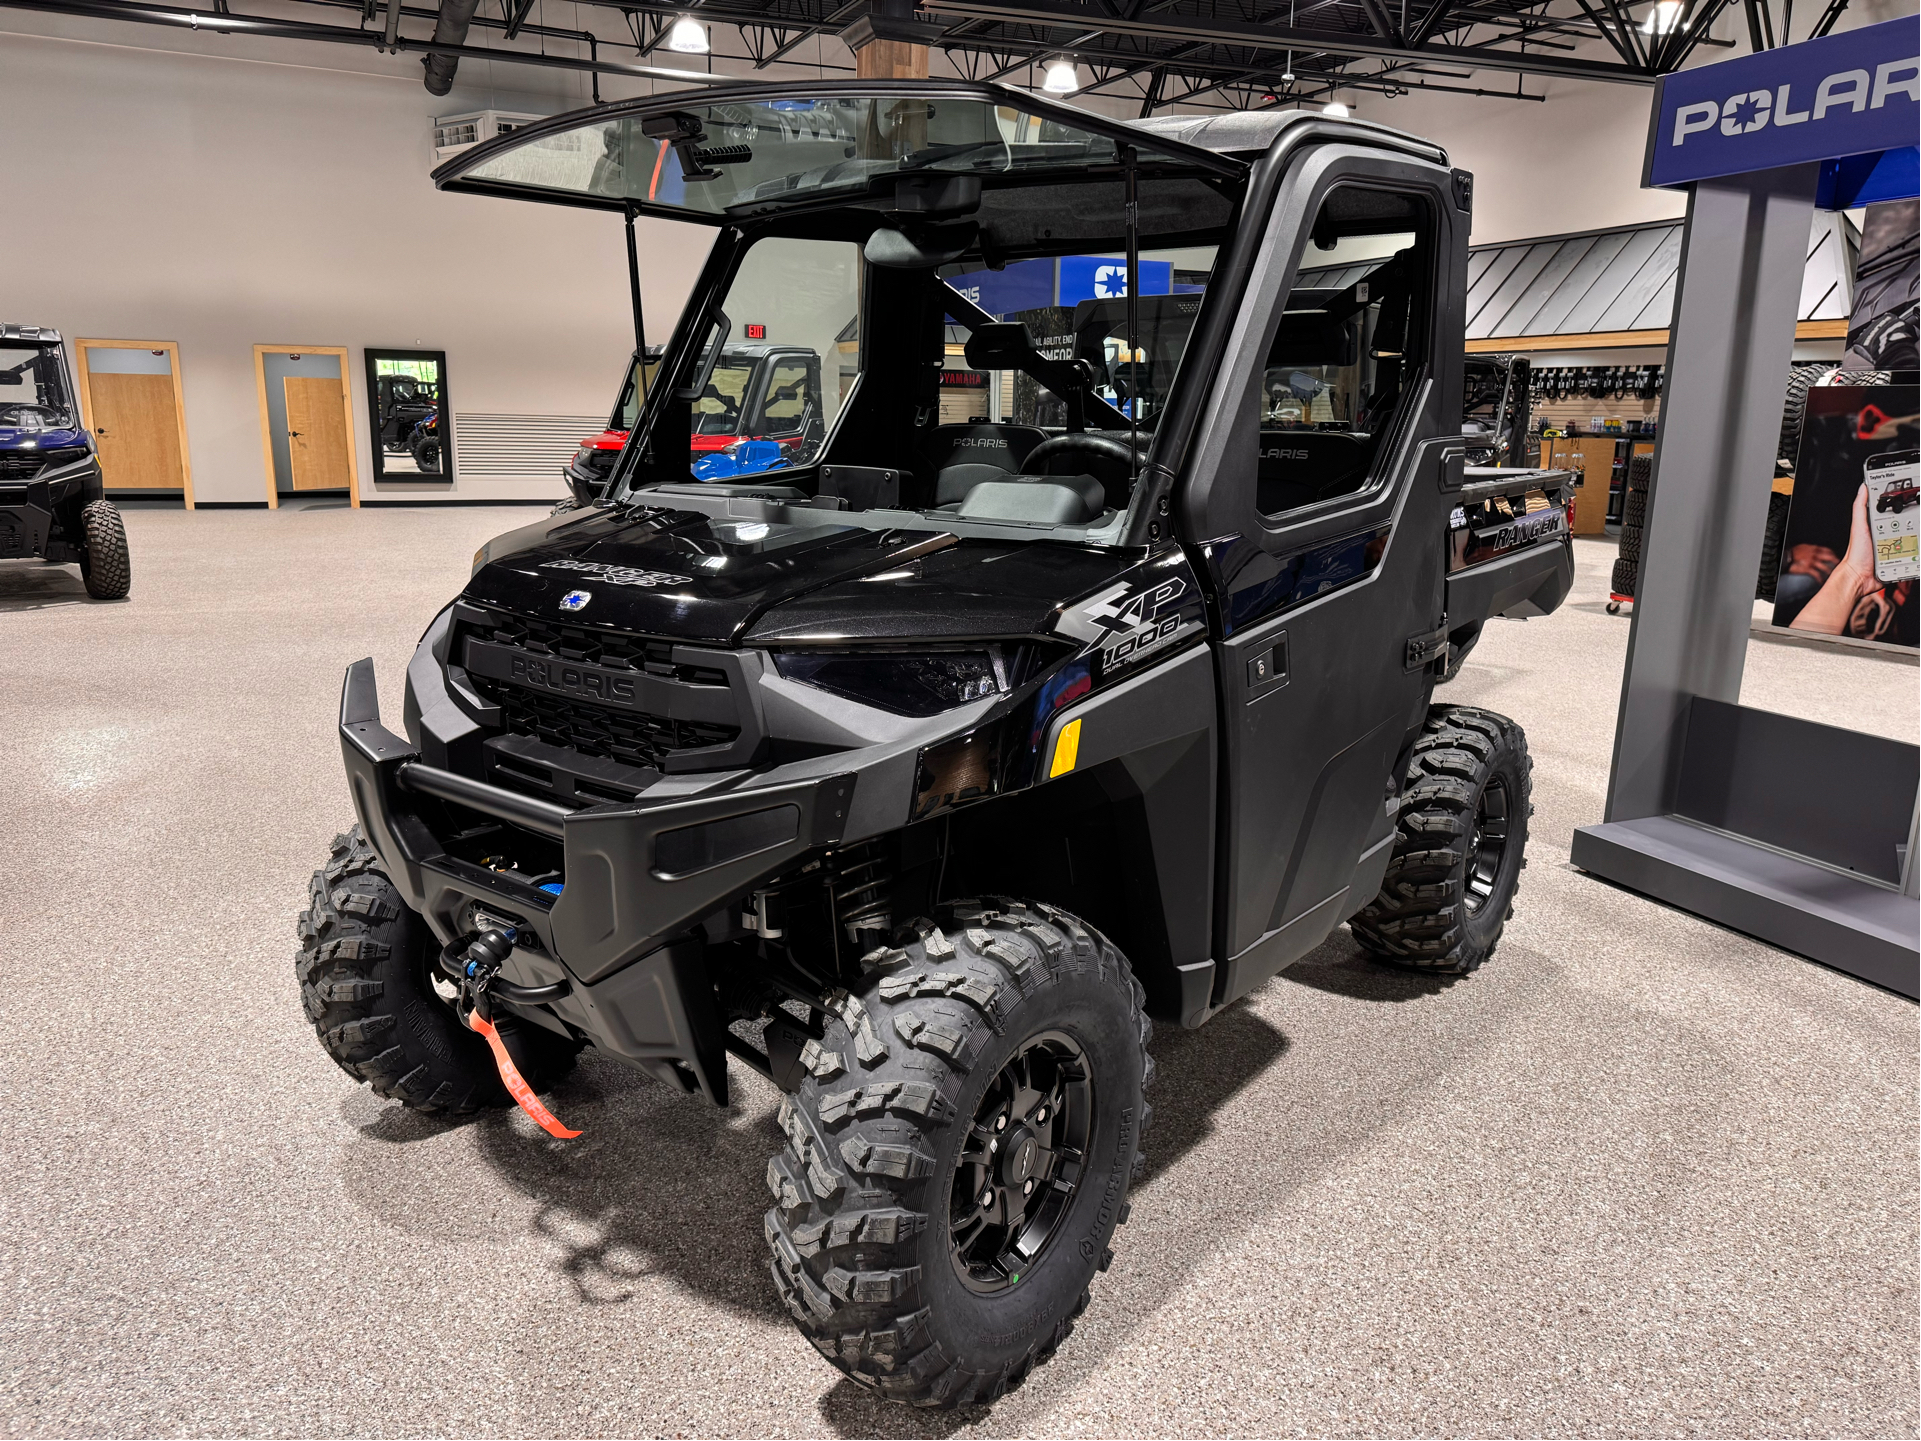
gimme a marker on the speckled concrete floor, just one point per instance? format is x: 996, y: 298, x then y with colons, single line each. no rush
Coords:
x: 1641, y: 1176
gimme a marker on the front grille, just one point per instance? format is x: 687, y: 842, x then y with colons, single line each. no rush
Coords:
x: 633, y: 738
x: 21, y: 465
x: 626, y: 736
x: 593, y: 647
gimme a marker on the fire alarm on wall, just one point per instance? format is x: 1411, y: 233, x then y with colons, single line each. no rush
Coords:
x: 756, y: 332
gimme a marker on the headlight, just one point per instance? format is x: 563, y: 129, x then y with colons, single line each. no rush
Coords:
x: 66, y: 455
x: 920, y: 684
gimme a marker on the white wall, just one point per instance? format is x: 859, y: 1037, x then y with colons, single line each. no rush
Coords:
x: 224, y: 202
x: 221, y: 191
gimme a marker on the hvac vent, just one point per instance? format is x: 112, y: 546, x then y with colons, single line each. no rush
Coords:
x: 519, y: 447
x: 455, y: 133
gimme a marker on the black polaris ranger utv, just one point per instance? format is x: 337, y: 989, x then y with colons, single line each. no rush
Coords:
x: 916, y: 777
x: 53, y: 504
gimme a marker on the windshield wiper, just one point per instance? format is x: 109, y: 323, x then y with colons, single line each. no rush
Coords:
x: 934, y: 154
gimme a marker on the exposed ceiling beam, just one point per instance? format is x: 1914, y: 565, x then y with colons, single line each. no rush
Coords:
x: 1273, y: 37
x: 227, y: 23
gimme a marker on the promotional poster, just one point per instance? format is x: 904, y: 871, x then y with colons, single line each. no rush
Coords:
x: 1851, y: 556
x: 1887, y: 282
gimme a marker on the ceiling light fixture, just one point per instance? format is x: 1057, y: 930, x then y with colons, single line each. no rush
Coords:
x: 1062, y: 78
x: 688, y: 36
x: 1336, y: 109
x: 1664, y: 18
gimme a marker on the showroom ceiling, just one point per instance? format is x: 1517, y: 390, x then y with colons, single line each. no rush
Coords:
x: 1146, y: 54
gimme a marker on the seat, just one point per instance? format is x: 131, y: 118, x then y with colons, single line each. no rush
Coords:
x: 1299, y: 467
x: 1004, y: 446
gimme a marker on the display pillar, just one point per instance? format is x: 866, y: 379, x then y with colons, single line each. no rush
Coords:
x: 1799, y: 833
x: 890, y: 42
x: 891, y: 60
x: 1742, y: 259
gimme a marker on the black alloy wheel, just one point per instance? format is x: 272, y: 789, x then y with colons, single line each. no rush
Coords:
x: 1022, y: 1163
x: 959, y: 1150
x: 1460, y: 844
x: 1487, y: 845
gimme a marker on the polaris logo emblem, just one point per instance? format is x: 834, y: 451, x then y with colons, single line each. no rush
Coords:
x: 575, y: 600
x: 1278, y: 454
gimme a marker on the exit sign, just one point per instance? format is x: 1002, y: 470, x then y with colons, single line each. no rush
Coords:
x: 756, y: 332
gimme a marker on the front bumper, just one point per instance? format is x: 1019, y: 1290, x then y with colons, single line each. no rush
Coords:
x: 38, y: 516
x: 639, y: 877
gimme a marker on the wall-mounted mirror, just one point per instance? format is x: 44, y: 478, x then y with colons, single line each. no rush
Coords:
x: 407, y: 398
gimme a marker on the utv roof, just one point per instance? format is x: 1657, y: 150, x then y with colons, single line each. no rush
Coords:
x: 32, y: 334
x: 760, y: 349
x: 1248, y: 132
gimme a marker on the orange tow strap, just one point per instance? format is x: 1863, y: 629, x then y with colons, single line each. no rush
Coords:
x: 516, y: 1084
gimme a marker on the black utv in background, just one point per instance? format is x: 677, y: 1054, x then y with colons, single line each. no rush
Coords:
x: 53, y: 504
x: 917, y: 774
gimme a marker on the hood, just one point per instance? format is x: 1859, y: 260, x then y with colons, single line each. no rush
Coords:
x: 688, y: 576
x: 19, y: 438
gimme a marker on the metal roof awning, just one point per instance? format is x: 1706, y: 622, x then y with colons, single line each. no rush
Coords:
x: 1607, y: 289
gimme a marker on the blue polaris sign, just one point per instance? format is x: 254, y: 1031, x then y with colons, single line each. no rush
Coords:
x: 1104, y: 277
x: 1848, y: 94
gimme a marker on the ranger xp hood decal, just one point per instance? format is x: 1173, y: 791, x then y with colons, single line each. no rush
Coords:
x: 618, y: 574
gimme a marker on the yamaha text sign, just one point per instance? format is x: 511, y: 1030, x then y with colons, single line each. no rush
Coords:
x: 1846, y: 94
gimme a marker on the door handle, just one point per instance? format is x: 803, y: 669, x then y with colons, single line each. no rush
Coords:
x: 293, y: 435
x: 1267, y: 670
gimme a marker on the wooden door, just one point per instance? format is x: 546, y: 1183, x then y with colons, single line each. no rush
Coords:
x: 1592, y: 459
x: 138, y: 429
x: 316, y: 432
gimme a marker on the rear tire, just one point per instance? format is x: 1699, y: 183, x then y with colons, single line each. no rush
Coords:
x: 1460, y: 845
x: 366, y: 980
x: 104, y: 564
x: 959, y: 1153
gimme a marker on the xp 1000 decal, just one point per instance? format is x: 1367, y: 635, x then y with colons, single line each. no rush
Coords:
x: 1154, y: 608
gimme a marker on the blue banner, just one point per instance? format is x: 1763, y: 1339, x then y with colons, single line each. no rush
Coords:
x: 1104, y: 277
x: 1848, y: 94
x: 1023, y: 285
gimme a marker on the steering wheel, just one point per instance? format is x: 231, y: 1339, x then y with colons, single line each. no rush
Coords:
x: 1118, y: 454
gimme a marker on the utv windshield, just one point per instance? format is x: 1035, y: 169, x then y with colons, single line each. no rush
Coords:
x: 749, y: 154
x: 918, y: 305
x: 33, y: 389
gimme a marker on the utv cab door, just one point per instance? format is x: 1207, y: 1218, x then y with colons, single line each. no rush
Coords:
x: 1314, y: 495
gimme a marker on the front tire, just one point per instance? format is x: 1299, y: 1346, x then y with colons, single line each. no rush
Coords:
x: 959, y: 1153
x: 366, y: 968
x: 104, y: 564
x: 1459, y: 848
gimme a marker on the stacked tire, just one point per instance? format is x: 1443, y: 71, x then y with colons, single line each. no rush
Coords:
x: 1634, y: 513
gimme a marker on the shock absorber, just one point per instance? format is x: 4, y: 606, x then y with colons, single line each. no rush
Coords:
x: 861, y: 882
